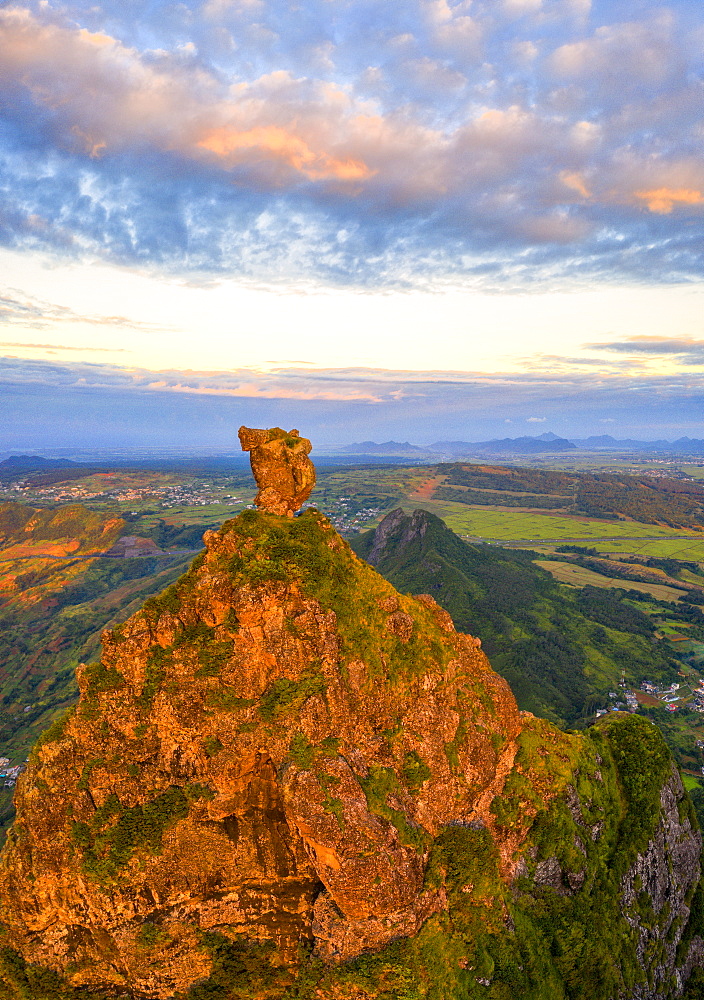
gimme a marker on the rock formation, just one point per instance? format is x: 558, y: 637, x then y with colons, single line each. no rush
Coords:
x: 281, y: 467
x: 283, y: 754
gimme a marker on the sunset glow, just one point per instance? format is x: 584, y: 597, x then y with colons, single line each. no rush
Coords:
x: 472, y: 188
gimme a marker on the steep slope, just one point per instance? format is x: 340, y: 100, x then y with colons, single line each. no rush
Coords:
x: 281, y: 754
x: 56, y: 596
x: 559, y: 651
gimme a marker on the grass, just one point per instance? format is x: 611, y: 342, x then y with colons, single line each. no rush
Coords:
x: 687, y: 549
x: 579, y: 576
x: 512, y: 525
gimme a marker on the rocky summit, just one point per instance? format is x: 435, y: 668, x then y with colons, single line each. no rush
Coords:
x: 286, y: 779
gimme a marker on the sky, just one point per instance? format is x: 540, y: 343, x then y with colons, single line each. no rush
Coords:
x: 412, y: 220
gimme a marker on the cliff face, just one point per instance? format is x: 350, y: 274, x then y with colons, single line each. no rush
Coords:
x: 250, y: 755
x: 282, y: 749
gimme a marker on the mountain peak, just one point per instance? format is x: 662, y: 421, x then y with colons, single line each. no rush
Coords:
x: 282, y: 754
x: 278, y: 657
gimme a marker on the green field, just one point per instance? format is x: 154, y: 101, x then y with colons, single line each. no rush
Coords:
x: 510, y: 525
x: 677, y: 547
x: 579, y: 576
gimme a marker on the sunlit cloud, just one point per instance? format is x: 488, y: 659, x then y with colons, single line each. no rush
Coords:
x: 63, y: 347
x: 663, y: 200
x: 333, y: 407
x: 22, y: 310
x: 393, y: 145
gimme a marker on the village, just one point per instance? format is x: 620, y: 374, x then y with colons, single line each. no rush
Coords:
x: 9, y: 773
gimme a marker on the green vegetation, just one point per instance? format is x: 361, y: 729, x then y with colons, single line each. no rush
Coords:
x: 506, y: 526
x: 286, y: 695
x: 576, y: 575
x: 226, y: 699
x: 672, y: 502
x: 560, y: 650
x: 212, y: 746
x: 415, y: 771
x: 301, y: 751
x: 114, y: 833
x: 157, y: 659
x: 151, y: 935
x: 381, y: 783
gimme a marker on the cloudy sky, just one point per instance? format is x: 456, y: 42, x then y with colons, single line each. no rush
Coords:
x: 368, y: 219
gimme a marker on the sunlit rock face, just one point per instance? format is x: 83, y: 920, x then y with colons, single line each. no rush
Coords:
x: 268, y: 748
x: 281, y: 467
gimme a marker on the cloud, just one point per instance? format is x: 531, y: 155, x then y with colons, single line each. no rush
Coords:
x: 496, y: 143
x: 630, y: 54
x: 653, y: 345
x: 22, y: 310
x: 63, y: 347
x: 663, y: 200
x: 202, y: 410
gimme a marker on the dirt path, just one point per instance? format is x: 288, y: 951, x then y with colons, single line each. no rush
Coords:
x: 426, y: 491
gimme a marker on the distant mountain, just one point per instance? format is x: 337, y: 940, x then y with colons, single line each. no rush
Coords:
x: 402, y: 448
x: 526, y: 445
x: 605, y: 442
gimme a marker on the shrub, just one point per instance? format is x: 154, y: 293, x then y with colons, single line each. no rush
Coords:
x: 415, y: 771
x: 286, y: 695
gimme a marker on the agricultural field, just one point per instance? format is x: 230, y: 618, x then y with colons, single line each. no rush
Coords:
x: 131, y: 493
x: 494, y: 524
x: 579, y: 576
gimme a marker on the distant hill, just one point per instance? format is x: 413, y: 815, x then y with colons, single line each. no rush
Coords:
x: 395, y: 448
x: 561, y: 651
x: 31, y: 462
x: 526, y: 445
x: 18, y: 465
x: 546, y: 443
x: 605, y: 442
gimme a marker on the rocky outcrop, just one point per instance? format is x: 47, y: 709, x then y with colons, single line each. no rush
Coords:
x: 281, y: 467
x: 252, y: 756
x: 657, y: 892
x: 413, y: 527
x: 283, y: 751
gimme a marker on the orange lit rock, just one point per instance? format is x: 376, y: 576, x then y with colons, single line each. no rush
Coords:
x: 266, y: 726
x: 281, y: 467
